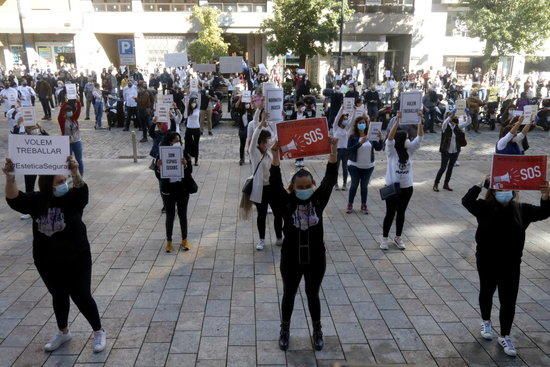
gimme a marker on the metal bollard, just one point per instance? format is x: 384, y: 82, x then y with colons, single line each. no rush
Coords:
x: 134, y: 146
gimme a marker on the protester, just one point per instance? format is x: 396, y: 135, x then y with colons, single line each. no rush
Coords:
x: 473, y: 104
x: 26, y: 94
x: 341, y: 132
x: 193, y: 130
x: 44, y: 91
x: 98, y: 105
x: 88, y: 93
x: 145, y: 104
x: 361, y: 161
x: 303, y: 249
x: 500, y: 237
x: 61, y: 250
x: 69, y: 112
x: 512, y: 142
x: 130, y: 94
x: 207, y: 96
x: 399, y: 151
x: 245, y: 114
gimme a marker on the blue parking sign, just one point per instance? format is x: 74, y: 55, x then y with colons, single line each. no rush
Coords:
x: 126, y: 52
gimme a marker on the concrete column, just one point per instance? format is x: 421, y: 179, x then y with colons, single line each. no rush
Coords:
x: 141, y: 52
x: 137, y: 6
x: 89, y: 52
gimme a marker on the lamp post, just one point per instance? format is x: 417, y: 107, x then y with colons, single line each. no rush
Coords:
x: 340, y: 40
x: 24, y: 53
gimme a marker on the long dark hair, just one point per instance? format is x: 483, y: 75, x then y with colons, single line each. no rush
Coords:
x: 506, y: 129
x: 191, y: 109
x: 400, y: 139
x: 302, y: 172
x: 516, y: 207
x: 356, y: 131
x: 263, y: 136
x: 169, y: 137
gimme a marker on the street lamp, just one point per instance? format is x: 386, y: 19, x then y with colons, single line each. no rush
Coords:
x: 340, y: 56
x: 24, y: 53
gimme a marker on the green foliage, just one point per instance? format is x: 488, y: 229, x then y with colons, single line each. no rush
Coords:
x: 209, y: 44
x: 303, y: 27
x: 509, y: 26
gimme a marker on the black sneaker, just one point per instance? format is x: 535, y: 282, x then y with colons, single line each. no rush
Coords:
x: 318, y: 342
x: 87, y: 118
x: 163, y: 210
x: 284, y: 336
x: 143, y: 140
x: 125, y: 129
x: 210, y: 133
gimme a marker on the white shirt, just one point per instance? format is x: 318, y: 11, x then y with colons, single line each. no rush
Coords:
x: 12, y: 121
x: 26, y: 95
x: 397, y: 172
x: 10, y: 96
x: 193, y: 119
x: 462, y: 123
x: 342, y: 135
x: 129, y: 93
x: 261, y: 178
x: 510, y: 137
x: 363, y: 156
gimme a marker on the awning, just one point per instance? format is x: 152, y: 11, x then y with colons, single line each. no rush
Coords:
x: 361, y: 46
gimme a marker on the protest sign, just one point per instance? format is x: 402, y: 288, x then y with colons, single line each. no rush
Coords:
x: 247, y: 96
x: 193, y: 85
x: 204, y: 68
x: 29, y: 116
x: 175, y: 59
x: 170, y: 157
x: 460, y: 106
x: 167, y: 98
x: 12, y: 99
x: 39, y: 155
x: 518, y: 172
x: 262, y: 69
x: 349, y: 103
x: 162, y: 112
x: 71, y: 91
x: 231, y: 64
x: 303, y: 138
x: 529, y: 112
x: 375, y: 127
x: 410, y: 104
x: 273, y: 103
x: 517, y: 113
x: 300, y: 71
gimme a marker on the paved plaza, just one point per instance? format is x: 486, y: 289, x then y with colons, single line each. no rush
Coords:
x: 219, y: 303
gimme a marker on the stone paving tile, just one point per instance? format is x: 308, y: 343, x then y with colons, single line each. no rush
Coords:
x: 219, y: 304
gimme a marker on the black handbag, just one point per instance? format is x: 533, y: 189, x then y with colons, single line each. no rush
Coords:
x: 247, y: 188
x: 191, y: 186
x: 389, y: 191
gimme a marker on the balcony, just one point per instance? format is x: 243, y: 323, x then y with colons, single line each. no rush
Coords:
x: 382, y: 6
x: 240, y: 7
x: 168, y: 7
x: 121, y: 6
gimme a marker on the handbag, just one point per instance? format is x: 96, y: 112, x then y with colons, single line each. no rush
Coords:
x: 461, y: 138
x: 191, y: 186
x: 389, y: 191
x: 247, y: 188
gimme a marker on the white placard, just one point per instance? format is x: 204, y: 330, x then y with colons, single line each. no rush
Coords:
x: 39, y: 155
x: 517, y: 113
x: 273, y: 103
x: 374, y: 128
x: 529, y: 112
x: 204, y: 68
x: 175, y: 59
x: 460, y: 107
x: 170, y: 157
x: 167, y: 98
x: 348, y: 105
x: 231, y: 64
x: 29, y: 116
x: 247, y: 96
x: 193, y: 85
x: 71, y: 91
x: 12, y: 99
x: 162, y: 112
x: 300, y: 71
x: 410, y: 105
x: 262, y: 69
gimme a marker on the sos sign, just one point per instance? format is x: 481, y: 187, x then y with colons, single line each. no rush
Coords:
x: 518, y: 172
x: 303, y: 138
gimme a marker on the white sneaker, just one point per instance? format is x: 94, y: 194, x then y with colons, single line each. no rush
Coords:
x: 384, y: 243
x: 457, y: 164
x: 279, y: 242
x: 487, y: 330
x: 25, y: 216
x: 260, y: 246
x: 399, y: 243
x: 58, y: 340
x: 100, y: 340
x: 507, y: 345
x: 336, y: 187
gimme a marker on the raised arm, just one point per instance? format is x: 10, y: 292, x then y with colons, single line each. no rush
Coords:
x: 470, y: 201
x: 393, y: 130
x: 11, y: 186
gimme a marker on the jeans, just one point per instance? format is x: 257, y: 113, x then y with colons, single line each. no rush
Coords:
x: 448, y: 161
x: 343, y: 158
x: 242, y: 143
x: 76, y: 150
x: 88, y: 104
x: 397, y: 204
x: 268, y: 199
x: 475, y: 120
x: 465, y: 94
x: 131, y: 114
x: 430, y: 117
x: 98, y: 110
x: 46, y: 107
x: 192, y: 138
x: 170, y: 202
x: 361, y: 175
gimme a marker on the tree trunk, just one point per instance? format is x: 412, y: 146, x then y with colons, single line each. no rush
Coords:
x: 303, y: 61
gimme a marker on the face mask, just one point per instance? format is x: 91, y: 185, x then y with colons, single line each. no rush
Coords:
x: 177, y: 144
x: 302, y: 109
x: 304, y: 194
x: 361, y: 126
x: 61, y: 189
x: 504, y: 197
x: 193, y: 105
x: 69, y: 114
x: 247, y: 106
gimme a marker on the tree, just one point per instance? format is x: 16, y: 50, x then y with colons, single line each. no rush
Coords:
x: 209, y: 44
x: 303, y: 27
x: 508, y: 26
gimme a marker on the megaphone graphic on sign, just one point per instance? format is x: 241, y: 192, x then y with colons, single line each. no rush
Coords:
x: 503, y: 178
x: 290, y: 146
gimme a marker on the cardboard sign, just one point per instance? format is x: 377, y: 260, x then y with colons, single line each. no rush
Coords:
x: 374, y: 128
x: 247, y: 96
x: 460, y: 107
x: 262, y: 69
x: 303, y: 138
x: 411, y: 103
x: 231, y: 64
x: 529, y: 113
x: 162, y: 112
x: 29, y: 116
x: 167, y: 98
x: 193, y: 85
x: 274, y: 98
x: 518, y: 172
x: 349, y: 103
x: 170, y: 157
x: 71, y: 91
x: 38, y: 154
x: 204, y: 68
x: 517, y: 113
x: 175, y: 60
x: 12, y: 99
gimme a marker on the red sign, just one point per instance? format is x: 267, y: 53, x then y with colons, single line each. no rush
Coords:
x: 303, y: 138
x: 518, y: 172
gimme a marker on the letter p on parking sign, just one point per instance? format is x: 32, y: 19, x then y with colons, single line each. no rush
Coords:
x: 126, y: 52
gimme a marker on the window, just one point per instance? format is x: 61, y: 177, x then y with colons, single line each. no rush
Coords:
x: 456, y: 27
x: 112, y: 5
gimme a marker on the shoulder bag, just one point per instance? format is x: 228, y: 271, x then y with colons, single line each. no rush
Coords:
x: 247, y: 188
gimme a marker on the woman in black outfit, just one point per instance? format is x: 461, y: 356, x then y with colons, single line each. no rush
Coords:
x: 60, y: 250
x: 244, y: 113
x: 500, y: 238
x: 303, y: 250
x: 174, y: 194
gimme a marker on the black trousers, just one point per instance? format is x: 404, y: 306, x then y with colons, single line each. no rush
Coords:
x: 171, y: 201
x: 397, y: 205
x: 30, y: 181
x: 131, y: 114
x: 292, y: 274
x: 143, y: 119
x: 242, y: 143
x: 475, y: 120
x: 45, y: 102
x: 70, y: 279
x: 191, y: 139
x: 448, y: 161
x: 267, y: 199
x: 507, y: 282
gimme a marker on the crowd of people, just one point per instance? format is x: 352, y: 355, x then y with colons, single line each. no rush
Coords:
x: 56, y: 208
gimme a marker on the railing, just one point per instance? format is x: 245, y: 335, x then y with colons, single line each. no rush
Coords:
x: 121, y: 6
x: 167, y: 7
x: 240, y: 7
x: 383, y: 6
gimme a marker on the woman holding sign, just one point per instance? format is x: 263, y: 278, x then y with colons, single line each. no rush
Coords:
x: 512, y: 142
x: 303, y: 250
x: 500, y: 238
x: 61, y: 250
x: 68, y: 122
x: 193, y: 130
x: 399, y: 174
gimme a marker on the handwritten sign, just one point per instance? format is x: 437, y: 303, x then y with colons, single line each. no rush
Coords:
x: 349, y: 103
x: 375, y: 127
x: 273, y: 103
x: 410, y: 104
x: 529, y: 112
x: 170, y: 157
x: 460, y: 107
x: 303, y: 138
x: 518, y: 172
x: 39, y: 155
x: 162, y: 112
x: 247, y: 96
x: 193, y: 85
x: 71, y: 91
x: 29, y: 116
x: 167, y: 98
